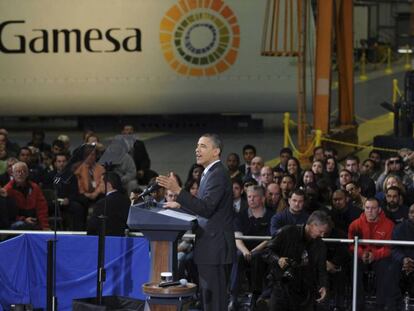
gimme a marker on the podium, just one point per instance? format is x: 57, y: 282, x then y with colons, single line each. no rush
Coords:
x: 162, y: 228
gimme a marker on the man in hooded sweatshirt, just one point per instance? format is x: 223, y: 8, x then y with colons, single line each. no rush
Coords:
x: 374, y: 225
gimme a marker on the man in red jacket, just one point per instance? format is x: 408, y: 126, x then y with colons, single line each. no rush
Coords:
x: 374, y: 225
x: 30, y: 202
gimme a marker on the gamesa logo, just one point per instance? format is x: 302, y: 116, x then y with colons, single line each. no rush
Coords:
x: 200, y: 38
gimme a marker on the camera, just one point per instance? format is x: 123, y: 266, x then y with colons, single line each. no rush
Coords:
x: 289, y: 273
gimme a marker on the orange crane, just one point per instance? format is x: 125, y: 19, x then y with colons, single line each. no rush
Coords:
x: 334, y: 18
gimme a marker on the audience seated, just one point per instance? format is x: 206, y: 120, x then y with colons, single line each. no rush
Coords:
x: 6, y: 176
x: 280, y: 196
x: 293, y: 168
x: 3, y: 159
x: 195, y: 171
x: 266, y: 176
x: 38, y: 140
x: 89, y: 177
x: 256, y: 166
x: 366, y: 183
x: 31, y: 204
x: 273, y: 198
x: 394, y: 207
x: 354, y: 190
x: 64, y: 185
x: 331, y: 171
x: 403, y: 256
x: 12, y: 149
x: 249, y: 152
x: 8, y: 210
x: 342, y: 212
x: 239, y: 200
x: 66, y: 143
x: 287, y: 185
x: 374, y: 225
x: 293, y: 215
x: 233, y: 163
x: 253, y: 221
x: 284, y: 155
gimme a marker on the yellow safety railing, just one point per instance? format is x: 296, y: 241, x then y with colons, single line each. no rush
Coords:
x: 387, y: 60
x: 388, y: 69
x: 318, y: 135
x: 288, y: 141
x: 396, y: 93
x: 344, y: 143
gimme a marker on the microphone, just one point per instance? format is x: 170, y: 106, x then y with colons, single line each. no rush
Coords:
x: 150, y: 189
x: 181, y: 282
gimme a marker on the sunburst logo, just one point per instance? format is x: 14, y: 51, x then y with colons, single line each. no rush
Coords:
x: 200, y: 37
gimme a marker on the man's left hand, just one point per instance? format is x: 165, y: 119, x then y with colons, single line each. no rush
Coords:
x: 169, y: 183
x: 322, y: 294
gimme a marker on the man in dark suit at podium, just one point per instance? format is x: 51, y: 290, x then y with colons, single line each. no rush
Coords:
x: 215, y: 247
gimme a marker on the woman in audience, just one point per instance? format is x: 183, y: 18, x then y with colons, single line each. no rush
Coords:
x: 331, y: 171
x: 318, y: 169
x: 308, y: 177
x: 192, y: 186
x: 293, y: 168
x: 195, y: 172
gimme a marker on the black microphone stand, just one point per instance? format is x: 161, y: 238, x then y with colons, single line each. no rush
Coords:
x: 51, y: 298
x: 101, y: 272
x: 112, y: 155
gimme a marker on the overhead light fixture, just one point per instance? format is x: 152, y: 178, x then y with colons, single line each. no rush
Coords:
x: 405, y: 50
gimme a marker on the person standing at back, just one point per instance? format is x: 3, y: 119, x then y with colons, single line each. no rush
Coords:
x: 215, y: 247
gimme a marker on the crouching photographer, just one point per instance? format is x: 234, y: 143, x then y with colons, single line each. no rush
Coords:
x: 297, y: 257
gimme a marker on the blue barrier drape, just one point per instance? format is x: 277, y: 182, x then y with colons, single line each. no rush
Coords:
x: 23, y: 269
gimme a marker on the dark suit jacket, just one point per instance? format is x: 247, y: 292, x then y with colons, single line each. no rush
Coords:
x: 215, y: 239
x: 117, y: 208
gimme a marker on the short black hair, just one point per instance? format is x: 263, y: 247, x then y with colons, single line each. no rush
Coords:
x: 235, y: 155
x: 374, y: 151
x: 286, y: 150
x: 298, y: 192
x: 60, y: 144
x: 394, y: 188
x: 352, y: 158
x: 114, y: 179
x: 37, y: 132
x: 251, y: 147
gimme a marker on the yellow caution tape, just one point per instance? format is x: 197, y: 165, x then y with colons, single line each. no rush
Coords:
x: 357, y: 145
x: 296, y: 150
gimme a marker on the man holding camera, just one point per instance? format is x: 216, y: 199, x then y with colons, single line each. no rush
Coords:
x: 297, y: 256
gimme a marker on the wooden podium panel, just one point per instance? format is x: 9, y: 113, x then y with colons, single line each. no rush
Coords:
x: 161, y: 251
x: 173, y: 298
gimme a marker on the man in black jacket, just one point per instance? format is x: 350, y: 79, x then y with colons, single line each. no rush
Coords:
x: 298, y: 257
x: 115, y: 205
x: 215, y: 247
